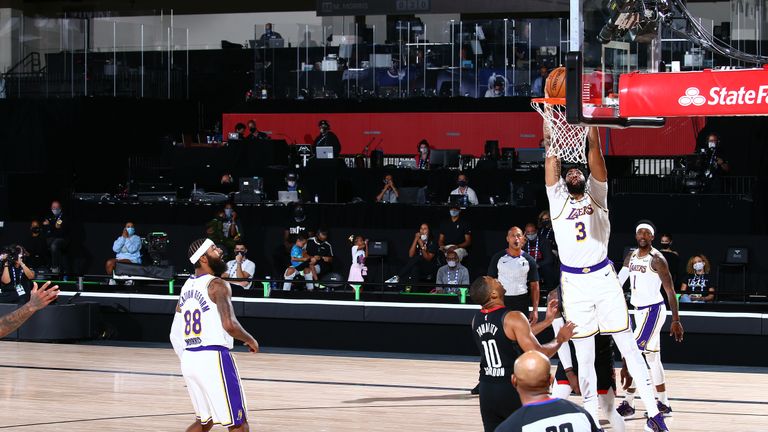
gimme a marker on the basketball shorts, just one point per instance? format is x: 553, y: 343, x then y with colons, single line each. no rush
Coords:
x: 214, y: 385
x: 593, y: 300
x: 648, y: 323
x: 606, y: 374
x: 498, y: 400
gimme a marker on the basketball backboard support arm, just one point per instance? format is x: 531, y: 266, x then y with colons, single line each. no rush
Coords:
x: 576, y: 91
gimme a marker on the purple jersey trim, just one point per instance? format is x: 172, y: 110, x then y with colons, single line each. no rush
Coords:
x: 584, y: 270
x: 234, y: 391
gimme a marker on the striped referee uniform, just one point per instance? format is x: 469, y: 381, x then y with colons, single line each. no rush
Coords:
x: 514, y: 273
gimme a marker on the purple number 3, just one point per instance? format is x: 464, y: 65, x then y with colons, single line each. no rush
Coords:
x: 581, y: 231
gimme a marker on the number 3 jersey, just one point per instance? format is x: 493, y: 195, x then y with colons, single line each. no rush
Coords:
x: 582, y: 227
x: 202, y: 322
x: 497, y: 352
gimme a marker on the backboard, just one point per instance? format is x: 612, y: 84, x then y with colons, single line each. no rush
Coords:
x: 601, y: 49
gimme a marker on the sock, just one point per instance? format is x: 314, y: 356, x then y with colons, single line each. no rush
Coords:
x: 663, y: 397
x: 613, y: 416
x: 287, y: 285
x: 308, y: 277
x: 625, y: 341
x: 585, y: 354
x: 630, y: 396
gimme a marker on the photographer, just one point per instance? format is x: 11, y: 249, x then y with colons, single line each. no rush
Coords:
x: 16, y: 276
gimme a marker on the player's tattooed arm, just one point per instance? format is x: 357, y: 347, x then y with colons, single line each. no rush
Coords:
x: 661, y: 267
x: 597, y: 168
x: 221, y: 294
x: 38, y: 299
x: 552, y: 163
x: 516, y: 327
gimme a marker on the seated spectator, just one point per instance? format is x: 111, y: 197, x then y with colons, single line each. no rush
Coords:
x: 253, y: 133
x: 389, y: 193
x: 422, y: 157
x: 422, y: 258
x: 240, y: 130
x: 541, y: 251
x: 358, y: 270
x: 224, y: 229
x: 127, y: 249
x: 16, y: 277
x: 320, y: 252
x: 545, y: 230
x: 227, y: 184
x: 297, y: 224
x: 240, y: 267
x: 269, y: 33
x: 56, y: 228
x: 698, y: 286
x: 455, y: 234
x: 299, y: 263
x: 671, y: 255
x: 451, y: 276
x: 463, y: 189
x: 36, y: 247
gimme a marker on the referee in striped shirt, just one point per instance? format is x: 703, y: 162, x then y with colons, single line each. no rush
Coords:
x: 518, y: 273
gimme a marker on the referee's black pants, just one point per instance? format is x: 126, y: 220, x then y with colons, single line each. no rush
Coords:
x: 498, y: 400
x: 518, y: 303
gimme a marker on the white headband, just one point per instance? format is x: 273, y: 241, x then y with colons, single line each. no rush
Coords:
x: 646, y: 226
x: 201, y: 250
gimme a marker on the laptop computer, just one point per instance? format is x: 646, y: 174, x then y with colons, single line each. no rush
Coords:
x: 459, y: 200
x: 324, y: 152
x: 287, y: 197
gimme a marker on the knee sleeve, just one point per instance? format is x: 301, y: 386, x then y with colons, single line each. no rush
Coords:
x: 657, y: 370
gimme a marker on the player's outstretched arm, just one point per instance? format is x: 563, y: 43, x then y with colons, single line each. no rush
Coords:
x: 624, y: 272
x: 661, y: 267
x: 597, y: 168
x: 38, y: 299
x: 551, y: 163
x: 221, y: 294
x: 516, y: 327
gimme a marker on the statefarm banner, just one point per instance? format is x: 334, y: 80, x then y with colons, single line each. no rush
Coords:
x: 692, y: 94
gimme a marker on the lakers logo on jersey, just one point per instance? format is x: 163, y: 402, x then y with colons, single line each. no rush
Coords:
x: 638, y: 268
x: 582, y: 211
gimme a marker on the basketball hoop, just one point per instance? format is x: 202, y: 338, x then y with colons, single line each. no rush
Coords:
x: 567, y: 141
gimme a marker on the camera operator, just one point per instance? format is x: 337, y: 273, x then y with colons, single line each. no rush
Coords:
x: 16, y: 276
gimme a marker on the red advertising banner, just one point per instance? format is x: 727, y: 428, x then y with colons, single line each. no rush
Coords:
x: 689, y: 94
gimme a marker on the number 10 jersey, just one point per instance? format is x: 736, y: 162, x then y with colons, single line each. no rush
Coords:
x: 202, y: 322
x: 497, y: 352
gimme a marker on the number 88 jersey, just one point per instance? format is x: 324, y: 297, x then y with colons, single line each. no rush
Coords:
x: 202, y: 322
x: 582, y: 227
x: 497, y: 352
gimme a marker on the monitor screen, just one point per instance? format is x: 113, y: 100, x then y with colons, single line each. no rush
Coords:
x: 448, y: 158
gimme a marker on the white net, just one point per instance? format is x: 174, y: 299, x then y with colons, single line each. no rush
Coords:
x: 567, y: 141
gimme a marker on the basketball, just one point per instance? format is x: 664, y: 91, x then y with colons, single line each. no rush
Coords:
x: 555, y: 85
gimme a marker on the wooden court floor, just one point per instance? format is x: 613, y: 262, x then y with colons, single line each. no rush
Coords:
x: 51, y: 387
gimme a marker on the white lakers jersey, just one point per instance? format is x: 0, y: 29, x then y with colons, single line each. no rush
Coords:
x: 202, y: 323
x: 582, y: 227
x: 643, y: 280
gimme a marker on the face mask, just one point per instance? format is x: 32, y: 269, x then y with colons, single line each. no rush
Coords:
x: 530, y: 237
x: 452, y: 263
x: 424, y: 237
x: 423, y: 150
x: 130, y: 230
x: 699, y: 266
x: 56, y: 212
x: 462, y: 183
x: 35, y: 230
x: 712, y: 144
x: 386, y: 181
x: 291, y: 183
x: 546, y: 223
x: 241, y: 253
x: 454, y: 213
x: 665, y: 245
x: 228, y: 213
x: 253, y: 130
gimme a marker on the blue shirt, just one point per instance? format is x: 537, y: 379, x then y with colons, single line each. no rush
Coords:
x: 296, y: 252
x: 128, y: 248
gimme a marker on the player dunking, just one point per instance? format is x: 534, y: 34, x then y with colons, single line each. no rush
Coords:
x: 591, y: 295
x: 202, y: 334
x: 647, y: 269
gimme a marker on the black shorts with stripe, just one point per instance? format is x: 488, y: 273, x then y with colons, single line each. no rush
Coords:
x: 606, y: 374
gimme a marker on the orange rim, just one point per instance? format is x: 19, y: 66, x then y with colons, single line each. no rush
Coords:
x: 549, y: 101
